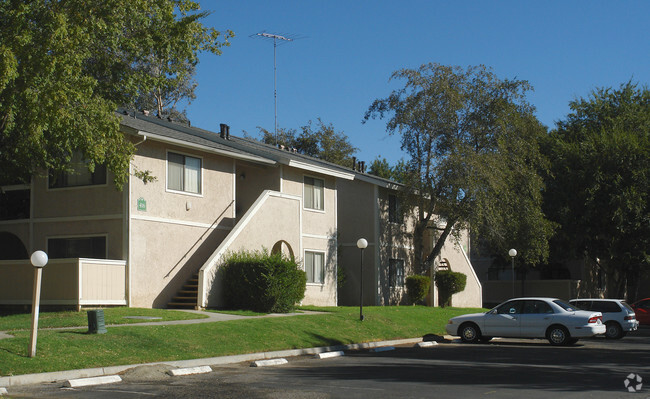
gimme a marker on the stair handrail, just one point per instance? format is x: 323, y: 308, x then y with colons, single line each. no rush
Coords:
x: 222, y: 249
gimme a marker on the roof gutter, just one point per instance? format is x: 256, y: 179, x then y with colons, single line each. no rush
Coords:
x: 320, y: 169
x: 181, y: 143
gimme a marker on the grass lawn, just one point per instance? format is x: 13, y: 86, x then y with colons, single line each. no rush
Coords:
x: 75, y: 349
x: 23, y: 321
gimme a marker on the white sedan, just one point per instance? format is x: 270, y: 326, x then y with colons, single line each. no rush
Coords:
x: 550, y: 318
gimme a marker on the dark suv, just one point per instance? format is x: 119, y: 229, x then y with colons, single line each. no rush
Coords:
x: 618, y: 316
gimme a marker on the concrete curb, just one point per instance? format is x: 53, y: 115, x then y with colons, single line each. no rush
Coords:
x: 29, y: 379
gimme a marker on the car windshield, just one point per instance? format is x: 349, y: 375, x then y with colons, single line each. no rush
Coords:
x: 565, y: 306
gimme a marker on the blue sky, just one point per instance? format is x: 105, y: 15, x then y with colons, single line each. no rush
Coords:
x: 347, y: 51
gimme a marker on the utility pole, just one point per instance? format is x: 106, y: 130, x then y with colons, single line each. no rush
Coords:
x: 275, y: 39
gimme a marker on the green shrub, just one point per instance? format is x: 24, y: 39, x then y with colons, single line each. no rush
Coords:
x: 449, y: 283
x: 417, y: 288
x: 263, y: 283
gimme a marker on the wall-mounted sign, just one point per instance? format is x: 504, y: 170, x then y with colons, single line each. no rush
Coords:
x: 142, y: 204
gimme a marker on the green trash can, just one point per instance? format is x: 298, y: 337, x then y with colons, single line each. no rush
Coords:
x: 96, y: 322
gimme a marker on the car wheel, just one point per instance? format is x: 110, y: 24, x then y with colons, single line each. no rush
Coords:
x: 614, y: 330
x: 469, y: 333
x: 558, y: 335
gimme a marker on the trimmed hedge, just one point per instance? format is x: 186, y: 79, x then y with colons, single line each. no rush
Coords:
x: 263, y: 283
x: 417, y: 288
x: 449, y: 283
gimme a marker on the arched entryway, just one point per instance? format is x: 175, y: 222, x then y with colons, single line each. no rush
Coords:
x: 11, y: 247
x: 284, y: 248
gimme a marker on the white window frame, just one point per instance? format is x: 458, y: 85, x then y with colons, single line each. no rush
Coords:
x: 304, y: 192
x: 323, y: 266
x: 200, y: 180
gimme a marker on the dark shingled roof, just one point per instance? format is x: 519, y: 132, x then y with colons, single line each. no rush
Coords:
x: 233, y: 144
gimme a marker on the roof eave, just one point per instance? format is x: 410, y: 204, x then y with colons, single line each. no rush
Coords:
x: 194, y: 146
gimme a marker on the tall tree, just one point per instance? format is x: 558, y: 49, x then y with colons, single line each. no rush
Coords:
x: 381, y: 168
x: 599, y: 186
x: 66, y: 66
x: 319, y: 140
x: 473, y: 144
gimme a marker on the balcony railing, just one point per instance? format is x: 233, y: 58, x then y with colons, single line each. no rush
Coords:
x: 71, y: 282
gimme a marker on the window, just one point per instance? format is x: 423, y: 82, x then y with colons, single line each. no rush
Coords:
x: 78, y: 247
x: 183, y: 173
x: 584, y: 305
x: 314, y: 193
x: 537, y: 307
x: 396, y: 272
x: 393, y: 209
x: 605, y: 307
x: 315, y: 267
x: 78, y: 174
x: 512, y: 307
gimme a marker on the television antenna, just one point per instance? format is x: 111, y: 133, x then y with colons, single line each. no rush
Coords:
x: 282, y: 39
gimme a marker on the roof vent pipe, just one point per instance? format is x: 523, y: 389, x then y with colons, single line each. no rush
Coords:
x: 354, y: 163
x: 222, y: 130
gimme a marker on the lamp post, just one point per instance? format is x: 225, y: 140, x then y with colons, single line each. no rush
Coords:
x: 362, y: 243
x: 513, y: 253
x: 39, y: 260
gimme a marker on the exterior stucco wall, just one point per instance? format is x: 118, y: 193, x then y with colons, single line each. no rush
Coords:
x: 75, y: 201
x: 272, y: 218
x: 357, y: 219
x: 72, y: 212
x: 174, y: 232
x: 251, y: 181
x: 20, y: 229
x: 322, y: 294
x: 454, y: 251
x: 318, y: 231
x: 396, y: 243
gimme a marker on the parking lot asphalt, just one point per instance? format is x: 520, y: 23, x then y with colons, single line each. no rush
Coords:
x: 503, y: 368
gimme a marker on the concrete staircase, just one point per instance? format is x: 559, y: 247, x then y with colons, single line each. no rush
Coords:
x: 187, y: 297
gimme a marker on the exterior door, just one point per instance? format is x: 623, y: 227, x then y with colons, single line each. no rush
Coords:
x: 504, y: 320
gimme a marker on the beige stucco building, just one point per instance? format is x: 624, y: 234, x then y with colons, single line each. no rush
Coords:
x: 161, y: 243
